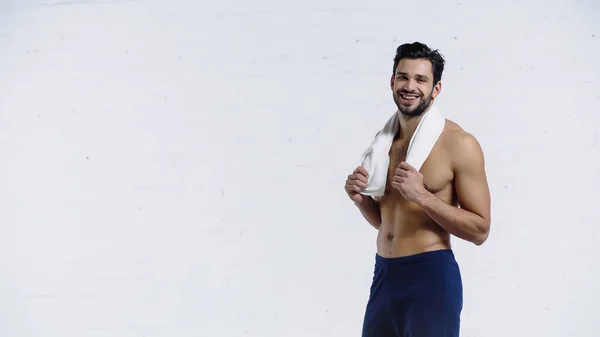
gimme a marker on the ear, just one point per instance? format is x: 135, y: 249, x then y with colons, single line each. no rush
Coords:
x: 392, y: 82
x: 437, y: 89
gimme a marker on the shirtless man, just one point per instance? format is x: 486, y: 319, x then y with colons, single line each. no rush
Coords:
x: 417, y: 285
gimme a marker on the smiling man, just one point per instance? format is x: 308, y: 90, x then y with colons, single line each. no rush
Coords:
x: 417, y: 286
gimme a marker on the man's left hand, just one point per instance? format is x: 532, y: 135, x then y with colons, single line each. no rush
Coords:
x: 409, y: 182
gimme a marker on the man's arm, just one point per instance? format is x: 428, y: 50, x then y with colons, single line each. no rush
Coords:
x: 369, y: 207
x: 472, y: 220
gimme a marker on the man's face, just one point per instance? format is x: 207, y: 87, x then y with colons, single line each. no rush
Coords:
x: 413, y: 87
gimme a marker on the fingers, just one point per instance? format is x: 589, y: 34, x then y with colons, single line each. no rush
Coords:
x: 404, y: 169
x: 352, y: 188
x: 401, y: 172
x: 359, y: 174
x: 405, y: 166
x: 397, y: 185
x: 357, y: 179
x: 362, y: 171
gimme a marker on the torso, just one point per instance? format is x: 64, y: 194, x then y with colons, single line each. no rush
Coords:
x: 405, y: 228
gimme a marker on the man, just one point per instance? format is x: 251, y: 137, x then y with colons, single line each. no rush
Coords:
x: 417, y: 285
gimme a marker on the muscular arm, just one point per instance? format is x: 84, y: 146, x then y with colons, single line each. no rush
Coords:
x: 370, y: 210
x: 471, y: 221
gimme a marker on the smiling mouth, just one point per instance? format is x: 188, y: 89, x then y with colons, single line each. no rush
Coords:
x: 409, y: 97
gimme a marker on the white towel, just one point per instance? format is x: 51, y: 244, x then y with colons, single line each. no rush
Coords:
x: 376, y: 158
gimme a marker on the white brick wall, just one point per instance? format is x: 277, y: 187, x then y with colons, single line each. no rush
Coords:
x: 176, y: 168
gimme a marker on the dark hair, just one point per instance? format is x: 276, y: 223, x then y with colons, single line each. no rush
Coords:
x: 418, y: 50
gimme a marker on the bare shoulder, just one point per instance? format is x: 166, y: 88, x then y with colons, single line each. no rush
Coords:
x: 463, y: 147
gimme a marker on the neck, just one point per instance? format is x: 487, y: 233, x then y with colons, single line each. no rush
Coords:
x: 408, y: 125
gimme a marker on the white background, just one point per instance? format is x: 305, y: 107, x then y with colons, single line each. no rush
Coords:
x: 176, y: 168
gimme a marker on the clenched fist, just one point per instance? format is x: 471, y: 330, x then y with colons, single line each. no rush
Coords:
x: 355, y: 183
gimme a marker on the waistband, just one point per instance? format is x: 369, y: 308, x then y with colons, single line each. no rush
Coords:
x: 415, y: 258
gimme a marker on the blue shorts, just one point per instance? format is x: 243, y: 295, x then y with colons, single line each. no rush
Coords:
x: 419, y: 295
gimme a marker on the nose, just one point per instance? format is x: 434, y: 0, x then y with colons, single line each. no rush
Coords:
x: 410, y: 85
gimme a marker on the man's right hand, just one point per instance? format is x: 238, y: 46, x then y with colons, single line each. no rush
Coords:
x: 355, y: 183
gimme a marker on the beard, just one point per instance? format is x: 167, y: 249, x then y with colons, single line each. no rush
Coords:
x: 409, y: 111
